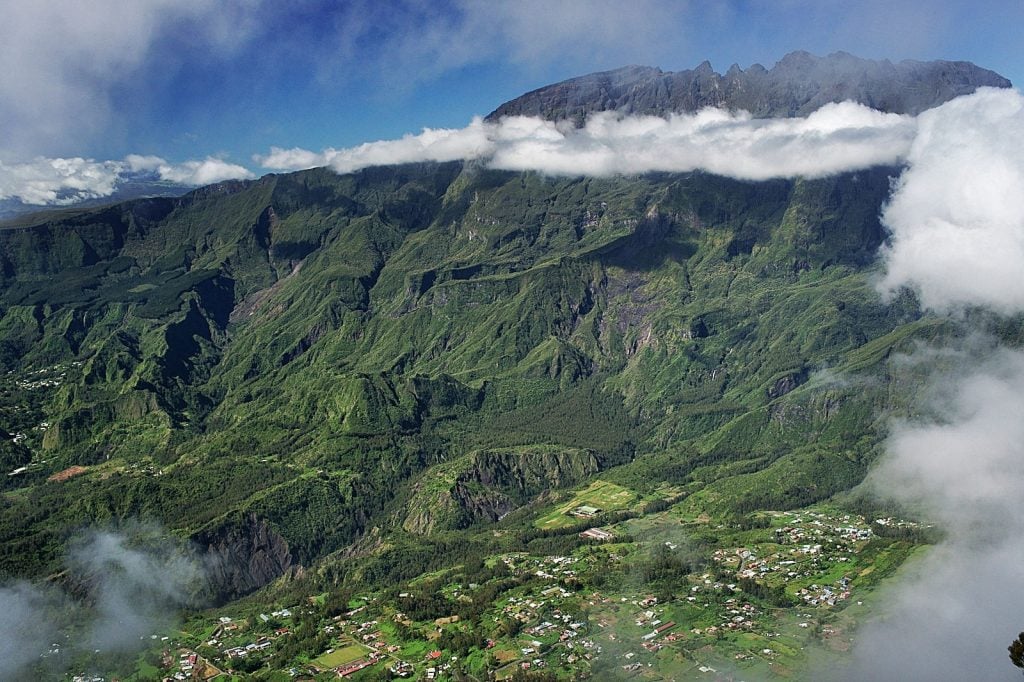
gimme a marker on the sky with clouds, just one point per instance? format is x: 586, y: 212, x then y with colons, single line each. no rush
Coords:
x: 200, y: 80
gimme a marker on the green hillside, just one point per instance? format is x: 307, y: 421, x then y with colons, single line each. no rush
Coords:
x: 382, y: 372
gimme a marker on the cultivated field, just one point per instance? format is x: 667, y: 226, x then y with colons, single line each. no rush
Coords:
x: 604, y: 495
x: 341, y: 656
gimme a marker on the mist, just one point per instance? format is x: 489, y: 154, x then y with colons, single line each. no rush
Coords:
x: 956, y: 219
x: 134, y: 581
x: 952, y: 613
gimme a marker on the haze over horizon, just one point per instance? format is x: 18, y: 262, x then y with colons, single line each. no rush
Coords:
x: 198, y: 91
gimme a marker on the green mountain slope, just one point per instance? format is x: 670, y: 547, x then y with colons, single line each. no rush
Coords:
x: 414, y: 349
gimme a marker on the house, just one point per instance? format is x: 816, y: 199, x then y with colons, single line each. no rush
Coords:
x: 596, y: 534
x: 585, y: 512
x: 353, y: 667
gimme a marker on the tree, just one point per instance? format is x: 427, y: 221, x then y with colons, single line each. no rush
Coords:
x: 510, y: 627
x: 1016, y: 650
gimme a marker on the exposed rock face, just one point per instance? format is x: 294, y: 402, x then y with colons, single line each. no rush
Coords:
x: 243, y: 556
x: 798, y: 85
x: 530, y: 471
x: 481, y: 503
x: 492, y: 483
x: 786, y: 384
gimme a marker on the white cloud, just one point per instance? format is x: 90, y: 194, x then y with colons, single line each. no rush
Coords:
x: 292, y: 159
x: 836, y: 138
x: 63, y: 58
x: 59, y: 182
x: 192, y: 173
x: 957, y: 215
x: 433, y: 144
x: 438, y: 144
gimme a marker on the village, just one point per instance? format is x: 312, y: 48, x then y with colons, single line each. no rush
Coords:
x: 21, y: 399
x: 807, y: 548
x: 755, y: 606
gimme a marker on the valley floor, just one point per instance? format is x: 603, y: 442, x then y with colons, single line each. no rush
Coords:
x: 663, y: 596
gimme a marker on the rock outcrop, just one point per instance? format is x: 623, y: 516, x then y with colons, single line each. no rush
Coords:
x: 491, y: 483
x: 242, y: 556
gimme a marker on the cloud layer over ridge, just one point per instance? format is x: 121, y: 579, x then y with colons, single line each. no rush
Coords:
x: 836, y: 138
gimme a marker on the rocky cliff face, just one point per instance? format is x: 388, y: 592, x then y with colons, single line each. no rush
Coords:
x: 491, y: 483
x: 799, y: 84
x: 243, y: 556
x: 531, y: 470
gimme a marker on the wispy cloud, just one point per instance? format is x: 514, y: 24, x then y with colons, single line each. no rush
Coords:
x: 836, y: 138
x: 63, y: 59
x: 58, y: 182
x: 136, y: 580
x: 409, y: 42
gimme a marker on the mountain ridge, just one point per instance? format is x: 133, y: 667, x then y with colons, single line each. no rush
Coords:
x: 427, y: 296
x: 797, y: 85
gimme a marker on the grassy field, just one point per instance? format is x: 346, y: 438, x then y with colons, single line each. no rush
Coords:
x: 604, y: 495
x: 341, y: 656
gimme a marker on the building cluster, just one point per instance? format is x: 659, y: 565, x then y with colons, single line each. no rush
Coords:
x: 808, y: 544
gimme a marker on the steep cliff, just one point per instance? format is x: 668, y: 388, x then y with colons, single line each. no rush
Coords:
x: 241, y: 556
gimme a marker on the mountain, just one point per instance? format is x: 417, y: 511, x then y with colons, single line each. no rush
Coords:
x: 306, y: 346
x: 798, y: 85
x: 346, y: 382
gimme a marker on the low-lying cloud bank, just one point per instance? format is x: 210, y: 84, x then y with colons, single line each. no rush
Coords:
x: 60, y: 182
x: 836, y: 138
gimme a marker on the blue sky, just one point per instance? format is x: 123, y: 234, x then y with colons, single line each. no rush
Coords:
x: 190, y: 79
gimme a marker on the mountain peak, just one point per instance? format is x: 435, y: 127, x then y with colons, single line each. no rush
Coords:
x: 797, y: 85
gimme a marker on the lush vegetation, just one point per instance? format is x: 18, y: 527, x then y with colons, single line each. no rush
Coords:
x: 396, y: 371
